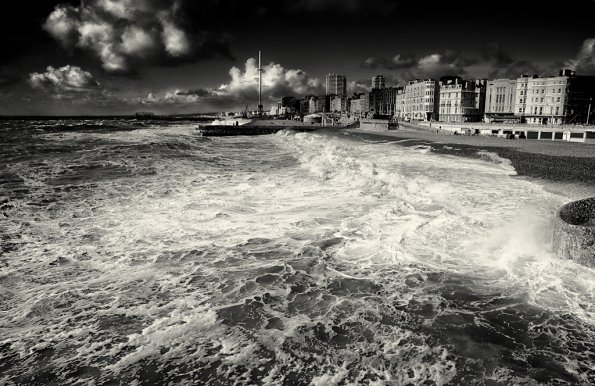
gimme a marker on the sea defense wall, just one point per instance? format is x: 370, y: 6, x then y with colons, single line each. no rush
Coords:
x: 226, y: 130
x: 574, y: 232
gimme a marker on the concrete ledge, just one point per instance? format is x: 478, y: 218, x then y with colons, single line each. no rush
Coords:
x: 226, y: 130
x: 574, y: 232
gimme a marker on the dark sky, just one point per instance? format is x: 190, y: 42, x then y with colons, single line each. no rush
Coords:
x: 122, y: 56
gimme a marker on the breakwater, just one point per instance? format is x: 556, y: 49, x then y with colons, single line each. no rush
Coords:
x: 226, y: 130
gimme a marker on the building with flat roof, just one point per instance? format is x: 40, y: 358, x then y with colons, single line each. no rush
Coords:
x: 419, y: 101
x: 383, y: 100
x: 565, y: 98
x: 339, y: 104
x: 336, y: 84
x: 360, y: 104
x: 378, y: 81
x: 500, y: 100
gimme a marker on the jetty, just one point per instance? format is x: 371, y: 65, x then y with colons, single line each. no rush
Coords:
x: 255, y: 127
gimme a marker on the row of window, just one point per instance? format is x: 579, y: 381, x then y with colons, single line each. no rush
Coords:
x: 540, y: 100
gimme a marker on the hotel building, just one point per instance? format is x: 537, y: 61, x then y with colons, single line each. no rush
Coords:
x: 420, y: 100
x: 461, y: 100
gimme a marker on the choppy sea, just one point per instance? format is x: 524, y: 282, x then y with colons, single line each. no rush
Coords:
x: 145, y: 254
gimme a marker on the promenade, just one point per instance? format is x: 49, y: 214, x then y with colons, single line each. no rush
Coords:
x: 552, y: 160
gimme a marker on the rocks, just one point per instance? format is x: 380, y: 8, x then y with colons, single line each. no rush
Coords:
x: 574, y: 232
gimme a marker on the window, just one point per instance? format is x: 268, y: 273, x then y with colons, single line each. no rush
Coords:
x: 557, y: 110
x: 558, y: 99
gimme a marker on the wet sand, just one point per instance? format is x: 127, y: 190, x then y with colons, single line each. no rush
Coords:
x: 553, y: 161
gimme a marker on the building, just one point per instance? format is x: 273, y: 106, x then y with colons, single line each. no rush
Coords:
x: 304, y: 105
x: 360, y: 104
x: 336, y: 84
x: 461, y: 100
x: 419, y: 101
x: 565, y: 98
x: 339, y: 104
x: 400, y: 102
x: 383, y: 100
x: 500, y: 100
x: 378, y: 82
x: 319, y: 104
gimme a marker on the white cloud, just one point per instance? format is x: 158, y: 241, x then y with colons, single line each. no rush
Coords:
x: 242, y: 88
x: 67, y: 78
x: 176, y: 97
x: 119, y: 33
x: 136, y: 41
x: 584, y: 63
x: 276, y: 81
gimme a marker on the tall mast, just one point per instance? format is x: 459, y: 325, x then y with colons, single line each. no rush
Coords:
x: 259, y: 86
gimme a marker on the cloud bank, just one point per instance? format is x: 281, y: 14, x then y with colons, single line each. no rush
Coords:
x: 432, y: 65
x: 242, y: 88
x: 127, y: 33
x: 65, y: 82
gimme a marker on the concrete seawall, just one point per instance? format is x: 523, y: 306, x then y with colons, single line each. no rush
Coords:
x: 574, y: 232
x: 225, y: 130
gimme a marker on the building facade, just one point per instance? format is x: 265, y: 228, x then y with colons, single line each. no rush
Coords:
x: 378, y: 81
x: 336, y: 84
x: 339, y: 104
x: 383, y: 100
x: 400, y: 102
x: 500, y: 100
x: 360, y: 104
x: 461, y: 100
x: 555, y: 100
x: 419, y: 101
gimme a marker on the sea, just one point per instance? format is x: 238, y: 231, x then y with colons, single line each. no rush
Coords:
x: 141, y: 253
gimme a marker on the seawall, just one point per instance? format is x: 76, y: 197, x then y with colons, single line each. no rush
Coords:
x: 225, y: 130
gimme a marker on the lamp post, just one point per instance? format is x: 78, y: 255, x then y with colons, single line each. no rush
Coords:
x: 589, y: 110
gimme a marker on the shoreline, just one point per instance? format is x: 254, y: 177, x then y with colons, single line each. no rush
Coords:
x: 553, y: 161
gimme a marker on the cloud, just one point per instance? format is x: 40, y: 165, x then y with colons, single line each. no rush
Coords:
x: 358, y: 86
x: 496, y: 55
x: 126, y: 34
x: 433, y: 65
x: 242, y: 88
x: 277, y: 81
x: 441, y: 64
x: 71, y: 83
x: 64, y: 79
x: 171, y: 98
x: 504, y: 65
x: 397, y: 62
x: 584, y: 63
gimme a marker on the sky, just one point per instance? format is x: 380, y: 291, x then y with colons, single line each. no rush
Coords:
x: 104, y: 57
